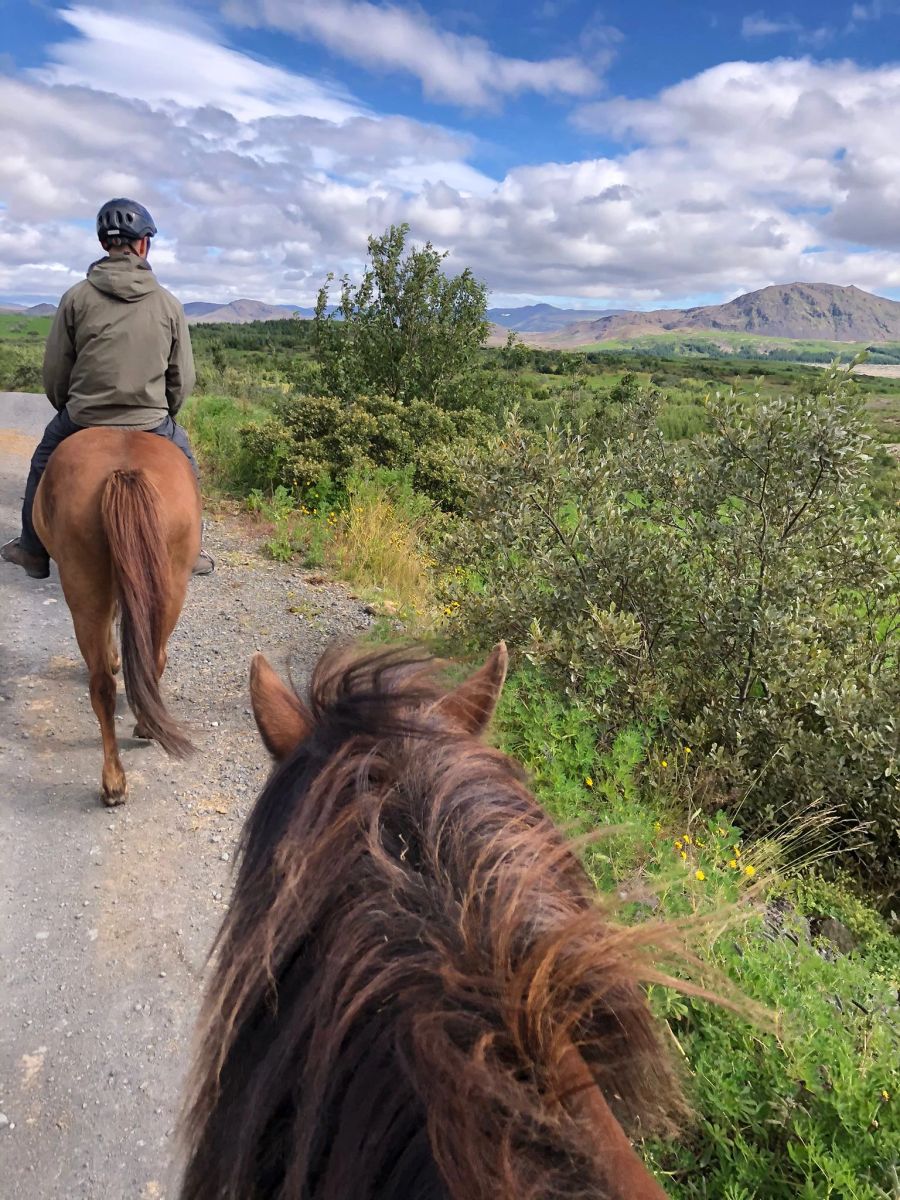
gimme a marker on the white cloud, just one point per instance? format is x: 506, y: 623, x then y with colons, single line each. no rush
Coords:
x: 746, y: 174
x: 145, y: 59
x: 461, y: 69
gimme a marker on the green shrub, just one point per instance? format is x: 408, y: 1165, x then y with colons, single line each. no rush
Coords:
x: 730, y: 593
x: 20, y: 368
x: 308, y: 437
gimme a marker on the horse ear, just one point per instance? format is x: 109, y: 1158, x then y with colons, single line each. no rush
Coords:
x: 282, y: 718
x: 472, y: 703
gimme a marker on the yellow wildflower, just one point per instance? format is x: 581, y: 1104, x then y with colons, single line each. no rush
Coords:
x: 588, y: 782
x: 687, y: 839
x: 684, y: 854
x: 699, y: 875
x: 885, y: 1095
x: 732, y: 862
x: 663, y: 763
x: 688, y: 750
x: 750, y: 872
x: 678, y: 844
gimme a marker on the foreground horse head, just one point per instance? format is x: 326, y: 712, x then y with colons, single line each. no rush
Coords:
x: 119, y: 511
x: 416, y: 996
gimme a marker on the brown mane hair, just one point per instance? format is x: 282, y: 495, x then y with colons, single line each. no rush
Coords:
x: 412, y: 962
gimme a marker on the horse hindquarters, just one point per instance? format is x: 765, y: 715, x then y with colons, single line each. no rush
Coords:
x: 149, y: 599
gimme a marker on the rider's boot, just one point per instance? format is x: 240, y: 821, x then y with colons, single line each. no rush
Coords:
x: 205, y: 564
x: 35, y: 565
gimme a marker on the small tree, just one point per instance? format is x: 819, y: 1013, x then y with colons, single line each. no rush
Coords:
x: 407, y: 331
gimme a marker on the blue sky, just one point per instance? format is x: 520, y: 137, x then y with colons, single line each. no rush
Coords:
x: 599, y: 155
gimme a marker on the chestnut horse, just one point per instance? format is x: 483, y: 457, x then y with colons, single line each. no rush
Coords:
x: 119, y: 511
x: 416, y: 995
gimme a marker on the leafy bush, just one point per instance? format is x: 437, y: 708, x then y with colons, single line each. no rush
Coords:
x: 20, y: 368
x: 729, y: 593
x: 308, y: 437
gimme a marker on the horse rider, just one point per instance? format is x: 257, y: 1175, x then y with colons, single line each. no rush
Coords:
x: 119, y: 354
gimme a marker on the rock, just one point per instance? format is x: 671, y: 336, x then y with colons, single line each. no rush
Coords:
x: 830, y: 929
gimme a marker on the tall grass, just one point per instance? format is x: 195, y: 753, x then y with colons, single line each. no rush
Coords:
x: 378, y: 543
x: 371, y: 533
x: 214, y: 425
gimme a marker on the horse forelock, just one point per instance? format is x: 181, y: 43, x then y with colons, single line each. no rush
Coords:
x: 410, y: 950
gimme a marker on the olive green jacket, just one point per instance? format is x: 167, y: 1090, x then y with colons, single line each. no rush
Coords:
x: 119, y: 351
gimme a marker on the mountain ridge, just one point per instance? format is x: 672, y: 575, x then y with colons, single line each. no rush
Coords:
x: 241, y: 312
x: 798, y: 311
x: 544, y: 318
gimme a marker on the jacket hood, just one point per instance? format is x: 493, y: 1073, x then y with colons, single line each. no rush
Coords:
x: 126, y: 277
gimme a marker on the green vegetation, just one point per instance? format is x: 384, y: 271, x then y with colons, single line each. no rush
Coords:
x: 26, y: 330
x: 747, y: 346
x: 809, y: 1109
x: 695, y: 563
x: 728, y: 591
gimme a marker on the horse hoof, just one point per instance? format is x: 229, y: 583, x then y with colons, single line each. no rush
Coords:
x: 141, y: 732
x: 113, y: 787
x: 115, y: 665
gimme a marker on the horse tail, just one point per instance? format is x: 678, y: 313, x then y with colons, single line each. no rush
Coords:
x: 129, y: 509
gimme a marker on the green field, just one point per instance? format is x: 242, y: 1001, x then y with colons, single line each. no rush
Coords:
x: 746, y: 345
x: 27, y: 330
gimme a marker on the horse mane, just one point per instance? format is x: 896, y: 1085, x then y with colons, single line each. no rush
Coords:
x: 411, y: 951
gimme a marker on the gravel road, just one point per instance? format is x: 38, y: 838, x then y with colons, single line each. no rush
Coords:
x: 106, y: 915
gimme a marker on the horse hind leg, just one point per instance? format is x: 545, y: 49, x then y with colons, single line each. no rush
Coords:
x: 103, y: 701
x: 93, y: 629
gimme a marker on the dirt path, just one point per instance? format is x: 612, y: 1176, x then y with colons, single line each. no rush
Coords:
x: 106, y: 915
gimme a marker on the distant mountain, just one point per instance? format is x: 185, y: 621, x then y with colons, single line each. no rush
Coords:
x: 240, y: 312
x: 813, y: 311
x: 544, y: 318
x: 36, y: 310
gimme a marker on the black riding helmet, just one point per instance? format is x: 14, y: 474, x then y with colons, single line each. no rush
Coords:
x: 123, y: 220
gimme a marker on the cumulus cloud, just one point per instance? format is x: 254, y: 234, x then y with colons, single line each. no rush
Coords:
x: 461, y: 69
x: 746, y: 174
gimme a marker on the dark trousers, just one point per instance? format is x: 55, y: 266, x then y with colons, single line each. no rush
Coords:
x: 61, y: 427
